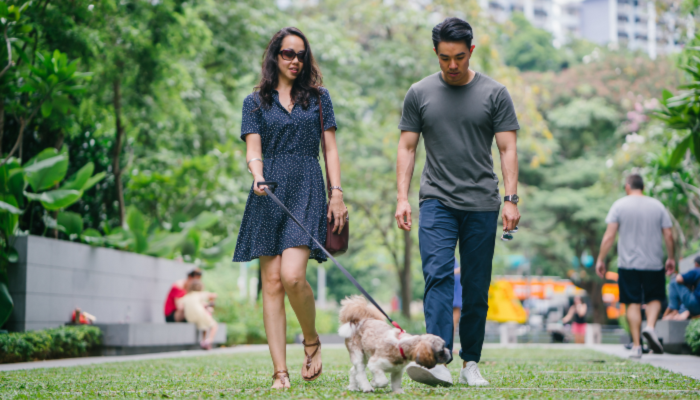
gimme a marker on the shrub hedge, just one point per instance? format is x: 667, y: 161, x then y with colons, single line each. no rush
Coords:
x: 692, y: 336
x: 64, y: 342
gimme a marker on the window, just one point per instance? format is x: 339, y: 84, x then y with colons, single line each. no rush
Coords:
x: 622, y: 35
x: 540, y: 12
x: 622, y: 18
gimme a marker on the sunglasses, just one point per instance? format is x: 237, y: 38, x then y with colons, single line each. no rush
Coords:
x: 289, y: 54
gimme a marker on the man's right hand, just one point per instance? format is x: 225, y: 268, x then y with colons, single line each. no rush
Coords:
x: 601, y: 269
x: 670, y: 266
x: 403, y: 215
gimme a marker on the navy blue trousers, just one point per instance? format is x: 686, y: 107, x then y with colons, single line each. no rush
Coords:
x: 440, y: 228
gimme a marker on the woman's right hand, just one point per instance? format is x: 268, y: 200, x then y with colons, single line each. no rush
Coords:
x: 260, y: 191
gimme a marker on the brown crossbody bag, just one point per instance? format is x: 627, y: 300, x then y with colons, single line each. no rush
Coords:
x: 336, y: 243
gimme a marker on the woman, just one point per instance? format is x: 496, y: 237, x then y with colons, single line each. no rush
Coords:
x: 282, y: 131
x: 577, y: 313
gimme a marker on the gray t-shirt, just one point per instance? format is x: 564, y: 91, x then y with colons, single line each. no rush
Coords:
x: 640, y: 220
x: 458, y: 124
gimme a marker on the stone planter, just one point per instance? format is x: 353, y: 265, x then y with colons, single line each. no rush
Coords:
x: 53, y: 277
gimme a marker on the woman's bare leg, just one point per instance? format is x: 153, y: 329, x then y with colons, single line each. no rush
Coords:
x: 274, y: 316
x: 301, y: 297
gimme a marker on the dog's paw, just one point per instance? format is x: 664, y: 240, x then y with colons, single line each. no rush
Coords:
x: 367, y: 388
x: 398, y: 391
x: 353, y: 388
x: 380, y: 383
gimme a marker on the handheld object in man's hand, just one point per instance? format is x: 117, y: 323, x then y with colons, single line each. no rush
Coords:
x: 507, y: 236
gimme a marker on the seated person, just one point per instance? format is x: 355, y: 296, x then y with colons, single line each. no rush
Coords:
x: 194, y: 306
x: 173, y: 303
x: 684, y: 295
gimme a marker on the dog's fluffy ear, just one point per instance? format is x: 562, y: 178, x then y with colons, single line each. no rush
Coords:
x: 423, y: 353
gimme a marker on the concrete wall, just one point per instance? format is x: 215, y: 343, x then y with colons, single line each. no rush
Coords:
x: 53, y: 277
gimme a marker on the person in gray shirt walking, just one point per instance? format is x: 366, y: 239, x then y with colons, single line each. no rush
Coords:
x: 643, y: 223
x: 459, y: 112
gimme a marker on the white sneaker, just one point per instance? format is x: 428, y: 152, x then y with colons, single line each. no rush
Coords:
x: 636, y: 352
x: 652, y: 340
x: 437, y: 376
x: 471, y: 375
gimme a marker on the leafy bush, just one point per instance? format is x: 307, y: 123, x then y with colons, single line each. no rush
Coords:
x: 692, y: 336
x: 64, y: 342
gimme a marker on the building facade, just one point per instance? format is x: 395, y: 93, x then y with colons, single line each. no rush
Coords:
x: 625, y: 23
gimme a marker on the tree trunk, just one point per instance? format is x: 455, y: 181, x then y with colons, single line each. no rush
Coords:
x: 116, y: 167
x: 405, y: 275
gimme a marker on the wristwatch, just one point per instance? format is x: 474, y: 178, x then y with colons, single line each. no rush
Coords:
x: 513, y: 198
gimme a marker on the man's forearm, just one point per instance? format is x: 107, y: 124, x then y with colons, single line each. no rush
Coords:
x: 405, y: 164
x: 605, y: 246
x: 668, y: 238
x: 509, y: 167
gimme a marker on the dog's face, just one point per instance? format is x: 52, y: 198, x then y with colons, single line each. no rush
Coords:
x: 430, y: 351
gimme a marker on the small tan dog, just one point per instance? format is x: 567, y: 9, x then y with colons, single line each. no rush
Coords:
x: 380, y: 347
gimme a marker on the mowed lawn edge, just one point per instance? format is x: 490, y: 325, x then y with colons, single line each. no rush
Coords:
x: 513, y: 373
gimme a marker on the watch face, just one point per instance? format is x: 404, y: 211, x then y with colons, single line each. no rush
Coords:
x: 514, y: 198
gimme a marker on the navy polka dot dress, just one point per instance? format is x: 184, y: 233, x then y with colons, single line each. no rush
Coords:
x: 290, y: 148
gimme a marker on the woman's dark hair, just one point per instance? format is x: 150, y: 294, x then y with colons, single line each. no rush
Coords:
x: 453, y: 30
x: 305, y: 86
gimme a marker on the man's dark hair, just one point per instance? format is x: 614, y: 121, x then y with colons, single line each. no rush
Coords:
x: 697, y: 260
x: 194, y: 272
x: 636, y: 182
x: 453, y: 30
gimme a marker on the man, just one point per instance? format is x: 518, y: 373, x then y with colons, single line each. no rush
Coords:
x: 684, y: 295
x: 459, y: 112
x: 643, y: 224
x: 174, y: 309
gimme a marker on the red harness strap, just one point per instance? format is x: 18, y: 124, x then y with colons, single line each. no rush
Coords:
x: 399, y: 345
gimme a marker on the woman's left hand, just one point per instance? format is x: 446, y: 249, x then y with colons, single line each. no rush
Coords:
x: 337, y: 212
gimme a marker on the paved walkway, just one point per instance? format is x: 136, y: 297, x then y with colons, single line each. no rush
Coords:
x: 73, y: 362
x: 682, y: 364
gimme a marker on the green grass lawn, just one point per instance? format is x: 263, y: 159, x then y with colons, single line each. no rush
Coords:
x: 514, y: 374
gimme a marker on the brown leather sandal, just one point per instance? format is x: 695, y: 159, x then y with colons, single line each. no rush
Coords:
x: 309, y: 359
x: 281, y: 375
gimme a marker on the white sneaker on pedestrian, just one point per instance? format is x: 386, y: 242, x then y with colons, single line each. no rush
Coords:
x: 471, y: 375
x: 437, y: 376
x: 636, y: 352
x: 652, y: 340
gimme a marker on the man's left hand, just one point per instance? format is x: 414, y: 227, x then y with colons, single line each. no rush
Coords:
x: 670, y: 266
x: 511, y: 216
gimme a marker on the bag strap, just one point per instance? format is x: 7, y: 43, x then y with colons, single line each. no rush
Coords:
x: 323, y: 146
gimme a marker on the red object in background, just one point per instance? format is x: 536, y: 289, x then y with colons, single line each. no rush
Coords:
x: 81, y: 317
x: 395, y: 305
x: 175, y: 293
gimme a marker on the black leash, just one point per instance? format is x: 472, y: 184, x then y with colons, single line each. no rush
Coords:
x: 359, y: 287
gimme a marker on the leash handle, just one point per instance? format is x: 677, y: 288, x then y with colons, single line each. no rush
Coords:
x: 345, y: 272
x: 271, y: 184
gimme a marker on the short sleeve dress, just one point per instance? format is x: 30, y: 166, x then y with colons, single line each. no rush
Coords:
x: 290, y: 148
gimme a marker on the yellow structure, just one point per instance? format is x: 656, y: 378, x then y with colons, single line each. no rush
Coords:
x: 504, y: 306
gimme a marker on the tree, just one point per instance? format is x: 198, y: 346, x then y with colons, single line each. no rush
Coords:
x: 529, y: 48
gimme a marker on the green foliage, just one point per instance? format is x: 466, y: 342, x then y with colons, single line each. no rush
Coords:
x: 692, y: 336
x: 530, y: 48
x: 682, y: 111
x: 64, y: 342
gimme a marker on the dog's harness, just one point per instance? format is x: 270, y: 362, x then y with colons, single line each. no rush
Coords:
x: 399, y: 344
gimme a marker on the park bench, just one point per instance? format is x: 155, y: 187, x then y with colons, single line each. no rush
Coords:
x: 141, y: 338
